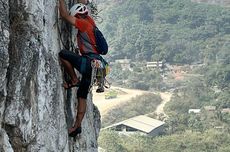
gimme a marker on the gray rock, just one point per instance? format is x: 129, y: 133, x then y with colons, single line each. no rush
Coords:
x: 4, y: 56
x: 4, y: 140
x: 34, y: 112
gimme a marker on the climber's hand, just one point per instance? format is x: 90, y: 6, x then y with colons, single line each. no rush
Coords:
x: 64, y: 13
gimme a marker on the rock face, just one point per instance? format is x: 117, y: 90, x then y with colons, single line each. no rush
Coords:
x: 4, y: 56
x: 35, y: 110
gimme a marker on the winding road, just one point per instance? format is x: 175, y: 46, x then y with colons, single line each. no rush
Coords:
x: 166, y: 96
x: 104, y: 105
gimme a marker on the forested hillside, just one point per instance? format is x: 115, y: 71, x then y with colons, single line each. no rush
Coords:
x: 194, y: 36
x: 177, y: 31
x: 173, y: 31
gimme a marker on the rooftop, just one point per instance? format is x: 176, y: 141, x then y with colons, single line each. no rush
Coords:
x: 194, y: 111
x: 142, y: 123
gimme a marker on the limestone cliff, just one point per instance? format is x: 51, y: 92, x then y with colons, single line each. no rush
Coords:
x: 35, y: 110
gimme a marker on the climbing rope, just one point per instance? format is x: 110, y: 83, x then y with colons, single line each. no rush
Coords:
x: 94, y: 11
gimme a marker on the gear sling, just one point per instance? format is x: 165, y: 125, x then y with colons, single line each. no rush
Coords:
x: 100, y: 69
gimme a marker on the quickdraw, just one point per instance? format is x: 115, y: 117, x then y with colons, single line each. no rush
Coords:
x: 98, y: 75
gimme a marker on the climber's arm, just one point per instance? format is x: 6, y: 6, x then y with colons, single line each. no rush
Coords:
x: 64, y: 14
x: 83, y: 1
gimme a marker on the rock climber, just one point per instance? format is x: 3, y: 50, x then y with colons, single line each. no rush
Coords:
x: 79, y: 18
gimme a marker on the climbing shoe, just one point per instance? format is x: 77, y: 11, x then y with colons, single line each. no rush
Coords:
x: 75, y: 132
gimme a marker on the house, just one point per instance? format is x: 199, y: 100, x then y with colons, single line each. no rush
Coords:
x: 225, y: 110
x: 154, y: 65
x: 140, y: 124
x: 196, y: 111
x: 125, y: 63
x: 210, y: 108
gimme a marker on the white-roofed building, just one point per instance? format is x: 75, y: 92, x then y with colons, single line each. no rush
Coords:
x: 225, y: 110
x: 141, y: 124
x: 196, y: 111
x: 210, y: 108
x: 156, y: 64
x: 125, y: 63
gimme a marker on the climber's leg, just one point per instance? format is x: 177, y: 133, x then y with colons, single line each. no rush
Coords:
x: 81, y: 108
x: 82, y: 98
x: 69, y: 69
x: 68, y: 60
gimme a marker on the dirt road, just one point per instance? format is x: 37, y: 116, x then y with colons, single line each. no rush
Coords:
x: 166, y: 96
x: 124, y: 96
